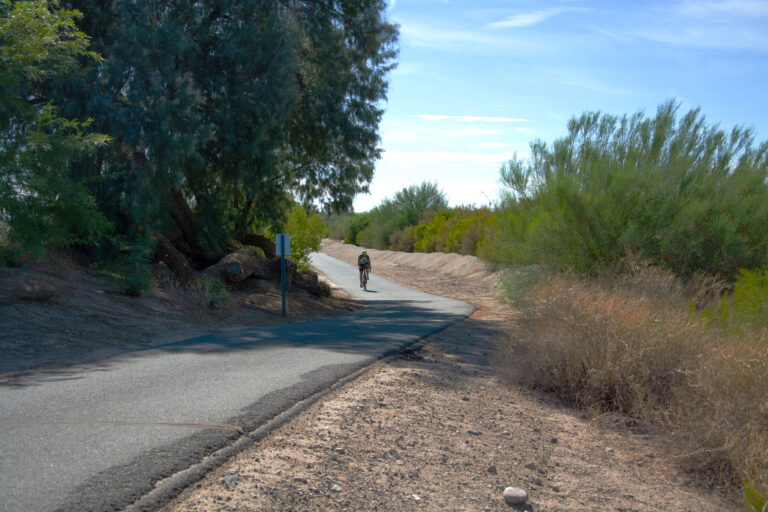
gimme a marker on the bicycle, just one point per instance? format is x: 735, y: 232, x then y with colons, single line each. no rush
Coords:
x: 365, y: 279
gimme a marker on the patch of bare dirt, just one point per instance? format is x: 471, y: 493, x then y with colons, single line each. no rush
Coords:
x: 437, y: 429
x: 60, y: 313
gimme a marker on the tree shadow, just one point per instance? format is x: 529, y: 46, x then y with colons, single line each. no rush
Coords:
x: 384, y: 328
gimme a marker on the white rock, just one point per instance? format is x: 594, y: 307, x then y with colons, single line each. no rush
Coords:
x: 514, y: 495
x: 231, y: 479
x: 336, y: 488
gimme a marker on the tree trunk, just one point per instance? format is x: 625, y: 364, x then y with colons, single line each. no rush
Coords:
x: 176, y: 262
x: 186, y: 235
x: 262, y: 242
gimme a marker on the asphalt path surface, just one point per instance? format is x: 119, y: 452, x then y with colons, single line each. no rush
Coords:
x: 98, y: 437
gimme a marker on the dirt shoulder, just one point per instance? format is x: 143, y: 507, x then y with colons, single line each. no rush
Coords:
x: 60, y: 314
x: 437, y: 429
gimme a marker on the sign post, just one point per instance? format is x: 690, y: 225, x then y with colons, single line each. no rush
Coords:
x: 283, y: 249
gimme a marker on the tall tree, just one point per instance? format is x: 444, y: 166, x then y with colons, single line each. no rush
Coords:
x: 220, y: 109
x: 43, y: 204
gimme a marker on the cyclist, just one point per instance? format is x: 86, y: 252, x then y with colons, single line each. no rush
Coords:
x: 363, y: 262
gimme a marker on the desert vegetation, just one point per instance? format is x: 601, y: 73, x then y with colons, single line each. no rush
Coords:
x: 636, y: 249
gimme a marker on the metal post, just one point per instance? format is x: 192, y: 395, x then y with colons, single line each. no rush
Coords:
x: 282, y: 268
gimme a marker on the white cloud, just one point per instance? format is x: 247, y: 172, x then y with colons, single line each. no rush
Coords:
x: 721, y: 24
x: 471, y: 119
x: 432, y: 157
x: 707, y: 8
x: 490, y: 145
x: 532, y: 18
x: 407, y: 68
x: 425, y: 36
x: 471, y: 132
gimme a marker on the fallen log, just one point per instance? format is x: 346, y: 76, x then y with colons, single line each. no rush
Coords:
x: 239, y: 265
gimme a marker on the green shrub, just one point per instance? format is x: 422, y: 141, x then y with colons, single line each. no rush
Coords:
x: 130, y: 272
x: 44, y: 204
x: 753, y: 500
x: 213, y: 292
x: 306, y: 232
x: 746, y: 308
x: 679, y: 193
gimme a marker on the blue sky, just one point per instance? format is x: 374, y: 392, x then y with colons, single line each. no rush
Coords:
x: 478, y: 80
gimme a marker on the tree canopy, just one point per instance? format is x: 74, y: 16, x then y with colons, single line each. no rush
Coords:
x: 45, y: 207
x: 671, y: 188
x: 222, y: 110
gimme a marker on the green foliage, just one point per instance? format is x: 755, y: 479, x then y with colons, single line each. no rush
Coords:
x: 46, y: 206
x: 306, y: 232
x: 347, y: 226
x: 235, y: 104
x: 130, y: 272
x: 753, y: 500
x: 463, y: 230
x: 676, y: 191
x: 746, y: 308
x: 214, y: 292
x: 749, y: 303
x: 404, y: 209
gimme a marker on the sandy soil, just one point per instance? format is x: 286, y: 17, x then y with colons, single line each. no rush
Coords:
x: 439, y: 429
x: 60, y: 314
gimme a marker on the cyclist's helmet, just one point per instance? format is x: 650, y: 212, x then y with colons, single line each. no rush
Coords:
x: 365, y: 252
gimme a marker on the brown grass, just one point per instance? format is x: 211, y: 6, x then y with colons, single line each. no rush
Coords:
x: 624, y: 344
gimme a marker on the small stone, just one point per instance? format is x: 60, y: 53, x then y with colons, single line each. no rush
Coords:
x: 537, y: 430
x: 543, y: 471
x: 473, y: 432
x: 556, y: 488
x: 299, y: 480
x: 553, y: 440
x: 465, y: 398
x: 515, y: 495
x: 492, y: 470
x: 231, y: 479
x: 416, y: 497
x: 530, y: 465
x: 336, y: 488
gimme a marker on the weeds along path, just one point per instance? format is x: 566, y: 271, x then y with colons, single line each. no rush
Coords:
x: 436, y: 429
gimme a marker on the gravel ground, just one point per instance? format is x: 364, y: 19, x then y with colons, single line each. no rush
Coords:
x: 438, y: 429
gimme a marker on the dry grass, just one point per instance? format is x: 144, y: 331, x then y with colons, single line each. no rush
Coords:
x: 624, y: 344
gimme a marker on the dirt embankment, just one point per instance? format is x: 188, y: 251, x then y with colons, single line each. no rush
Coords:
x: 437, y: 429
x: 62, y: 314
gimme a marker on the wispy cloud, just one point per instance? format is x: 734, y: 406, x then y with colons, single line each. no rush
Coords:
x: 471, y: 119
x: 721, y: 24
x: 427, y: 36
x: 490, y: 145
x: 471, y: 132
x: 707, y: 8
x: 423, y: 157
x: 407, y: 68
x: 532, y: 18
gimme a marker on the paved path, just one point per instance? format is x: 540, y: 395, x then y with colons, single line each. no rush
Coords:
x: 98, y: 437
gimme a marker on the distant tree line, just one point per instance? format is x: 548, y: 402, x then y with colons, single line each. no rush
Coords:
x: 672, y: 189
x: 199, y: 122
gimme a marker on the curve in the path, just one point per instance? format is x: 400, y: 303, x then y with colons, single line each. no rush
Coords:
x: 98, y: 437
